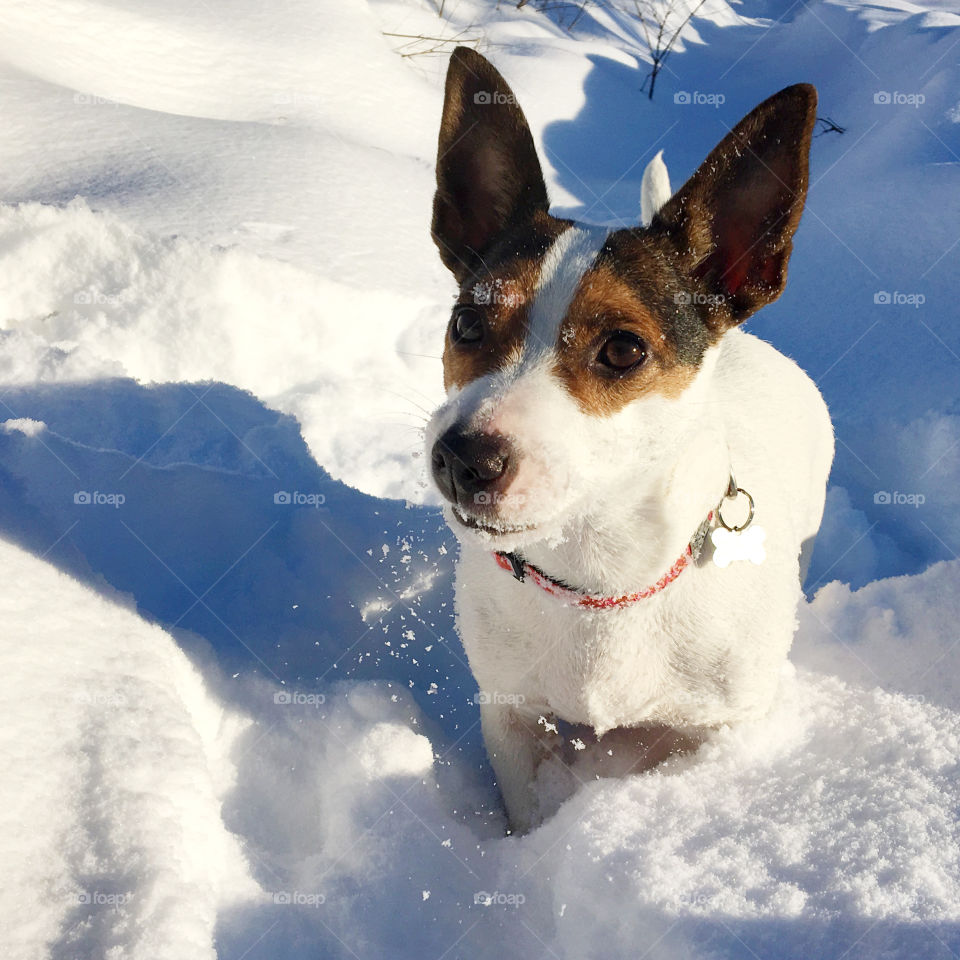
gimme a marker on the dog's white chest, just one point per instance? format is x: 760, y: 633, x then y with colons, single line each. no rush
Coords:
x: 604, y: 668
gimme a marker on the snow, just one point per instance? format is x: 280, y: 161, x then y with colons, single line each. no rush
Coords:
x: 24, y: 425
x: 238, y: 721
x: 831, y: 821
x: 109, y: 857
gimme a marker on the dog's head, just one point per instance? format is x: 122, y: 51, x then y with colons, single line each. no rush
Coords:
x: 575, y: 356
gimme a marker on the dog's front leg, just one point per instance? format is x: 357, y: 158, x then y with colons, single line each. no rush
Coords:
x: 516, y: 748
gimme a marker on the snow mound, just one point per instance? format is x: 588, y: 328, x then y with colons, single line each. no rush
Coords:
x: 113, y: 777
x: 182, y: 59
x: 90, y: 298
x: 899, y: 633
x: 826, y: 831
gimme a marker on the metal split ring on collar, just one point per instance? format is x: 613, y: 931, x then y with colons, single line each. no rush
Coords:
x: 733, y: 491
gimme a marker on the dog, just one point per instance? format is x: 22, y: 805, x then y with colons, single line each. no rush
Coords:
x: 635, y: 483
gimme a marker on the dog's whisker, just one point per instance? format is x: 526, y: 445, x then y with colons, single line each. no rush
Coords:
x: 410, y: 413
x: 423, y: 410
x: 422, y: 356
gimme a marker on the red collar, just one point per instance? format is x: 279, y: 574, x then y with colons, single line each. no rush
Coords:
x: 521, y: 569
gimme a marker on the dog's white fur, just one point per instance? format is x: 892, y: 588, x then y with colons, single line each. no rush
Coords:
x: 705, y: 651
x: 604, y: 501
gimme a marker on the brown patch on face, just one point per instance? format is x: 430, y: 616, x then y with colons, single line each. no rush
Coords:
x: 630, y: 289
x: 501, y: 295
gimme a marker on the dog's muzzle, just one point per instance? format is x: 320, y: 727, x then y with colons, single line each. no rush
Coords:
x: 472, y: 470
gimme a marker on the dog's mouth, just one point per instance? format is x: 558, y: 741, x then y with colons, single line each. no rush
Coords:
x: 491, y: 529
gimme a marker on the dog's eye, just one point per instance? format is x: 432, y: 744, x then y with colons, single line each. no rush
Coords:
x: 622, y: 351
x: 467, y: 325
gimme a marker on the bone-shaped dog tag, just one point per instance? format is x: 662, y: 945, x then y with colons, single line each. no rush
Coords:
x: 746, y: 545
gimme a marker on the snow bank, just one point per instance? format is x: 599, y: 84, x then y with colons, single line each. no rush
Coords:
x: 827, y: 831
x: 91, y: 299
x: 900, y: 634
x: 251, y: 65
x: 115, y: 761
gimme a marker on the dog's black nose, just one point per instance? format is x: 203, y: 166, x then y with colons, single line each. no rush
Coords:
x: 465, y: 465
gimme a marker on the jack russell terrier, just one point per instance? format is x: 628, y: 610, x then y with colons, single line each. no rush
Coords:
x: 613, y: 575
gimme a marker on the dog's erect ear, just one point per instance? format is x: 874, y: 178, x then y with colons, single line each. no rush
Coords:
x: 488, y: 175
x: 734, y: 219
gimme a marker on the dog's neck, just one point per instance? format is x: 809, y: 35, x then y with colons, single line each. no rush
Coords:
x: 627, y: 541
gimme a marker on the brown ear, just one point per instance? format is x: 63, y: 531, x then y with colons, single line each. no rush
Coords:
x: 488, y: 175
x: 734, y: 219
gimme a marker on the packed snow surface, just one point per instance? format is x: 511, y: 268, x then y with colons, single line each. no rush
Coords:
x: 237, y: 720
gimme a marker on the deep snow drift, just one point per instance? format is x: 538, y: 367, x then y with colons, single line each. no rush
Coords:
x: 236, y: 714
